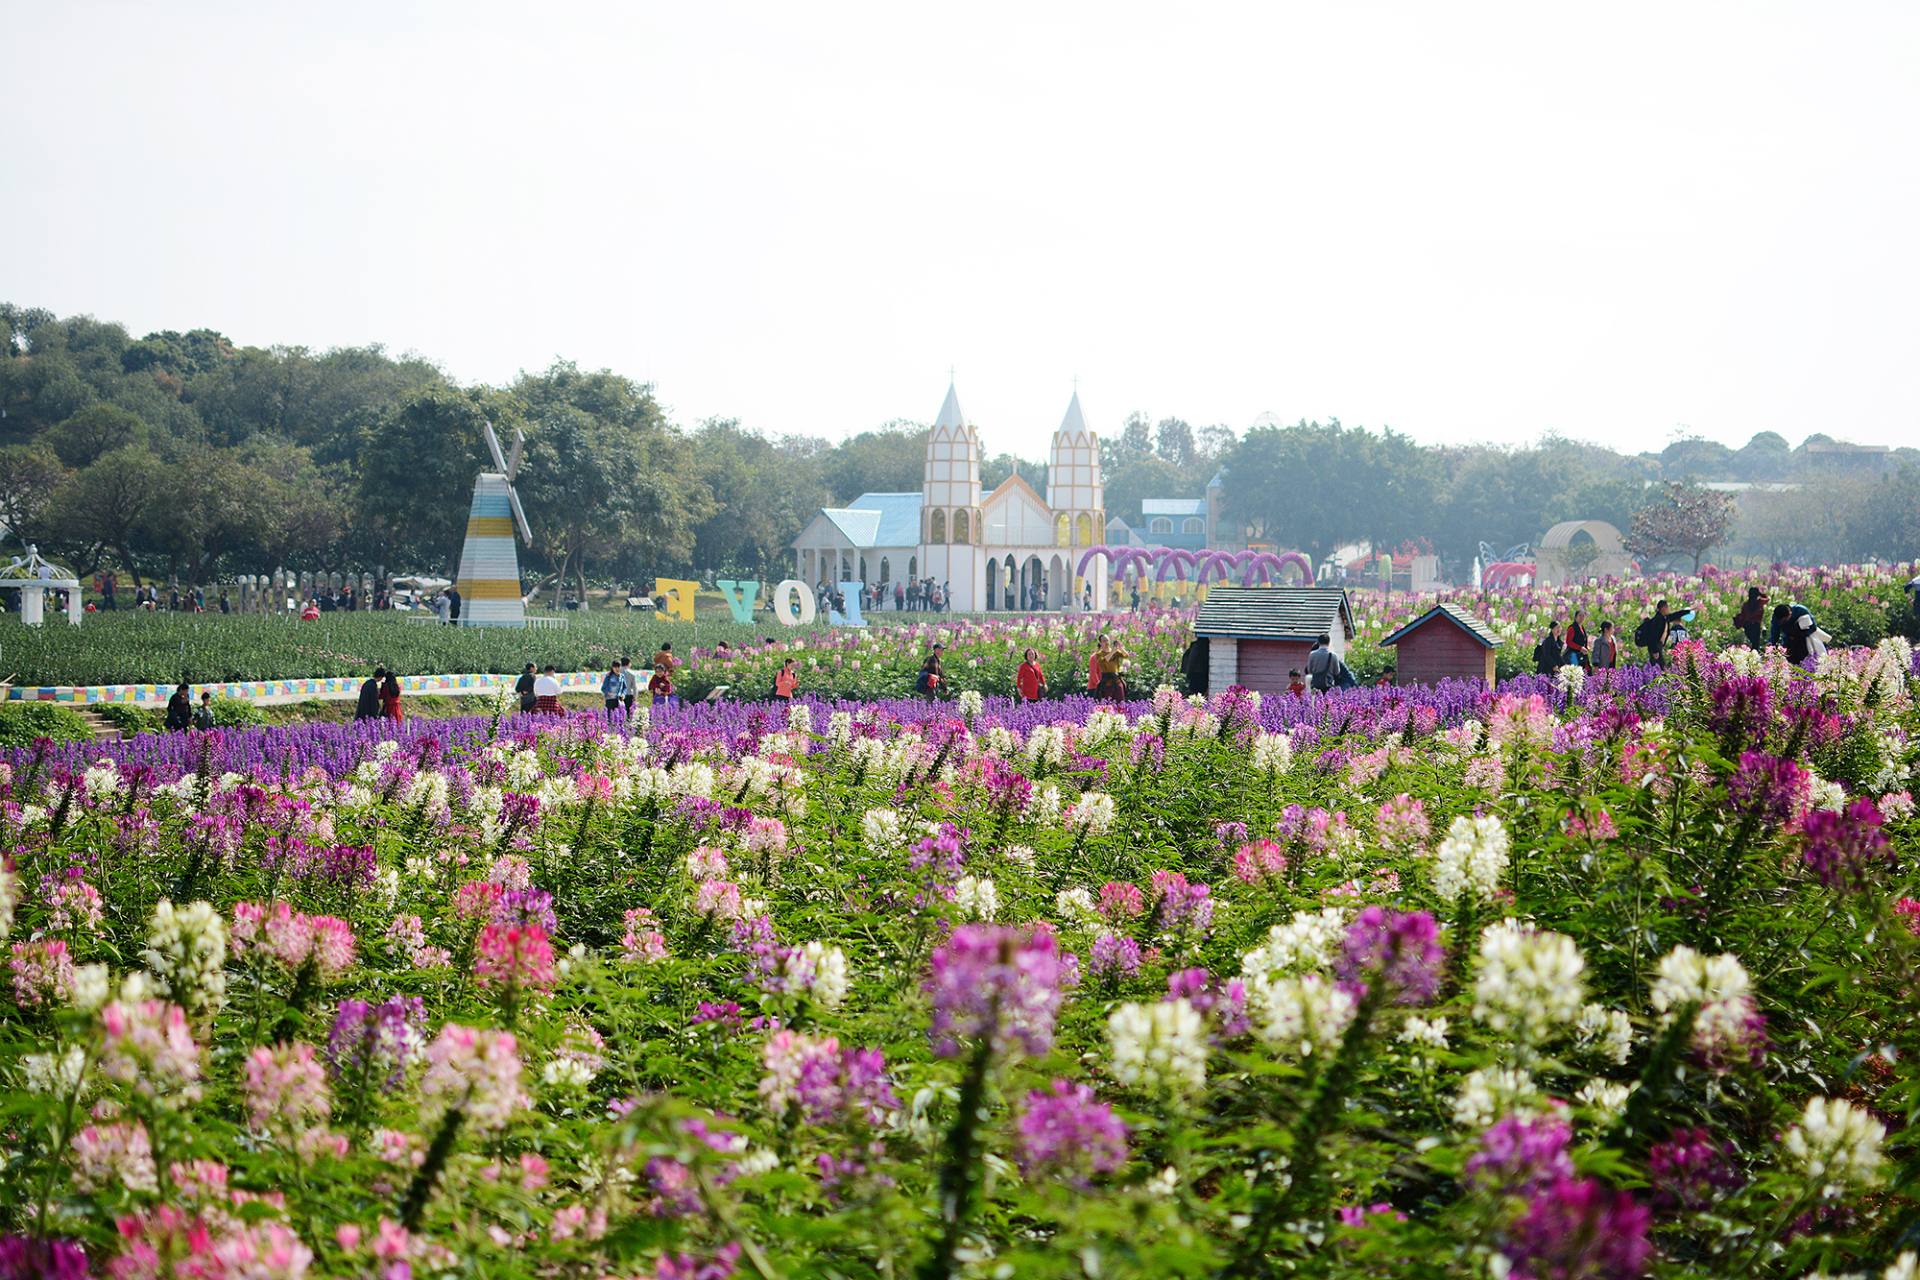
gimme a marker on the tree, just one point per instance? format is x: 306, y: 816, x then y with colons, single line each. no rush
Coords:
x: 29, y: 476
x: 892, y: 459
x: 1887, y: 525
x: 1318, y: 487
x: 101, y: 507
x: 96, y: 430
x: 417, y: 484
x: 1173, y: 442
x: 764, y: 491
x: 1684, y: 520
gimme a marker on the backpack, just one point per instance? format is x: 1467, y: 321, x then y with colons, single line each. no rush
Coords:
x: 1320, y: 672
x: 1343, y: 675
x: 1644, y: 634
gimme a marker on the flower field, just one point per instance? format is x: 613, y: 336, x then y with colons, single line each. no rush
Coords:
x: 1858, y: 605
x: 1603, y: 977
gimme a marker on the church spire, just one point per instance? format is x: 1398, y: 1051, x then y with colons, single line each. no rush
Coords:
x: 1074, y: 423
x: 950, y: 414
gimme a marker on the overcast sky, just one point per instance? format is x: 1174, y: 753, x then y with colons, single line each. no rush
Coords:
x: 1472, y: 222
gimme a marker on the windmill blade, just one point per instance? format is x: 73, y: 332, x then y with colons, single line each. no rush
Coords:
x: 519, y: 446
x: 493, y: 446
x: 519, y: 516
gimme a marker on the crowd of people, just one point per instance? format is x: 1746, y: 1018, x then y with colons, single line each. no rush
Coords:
x: 1760, y: 622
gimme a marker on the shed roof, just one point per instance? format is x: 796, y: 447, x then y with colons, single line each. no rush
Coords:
x: 1453, y: 613
x: 1273, y: 613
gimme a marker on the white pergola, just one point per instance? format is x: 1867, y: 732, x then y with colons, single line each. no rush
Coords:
x: 33, y: 577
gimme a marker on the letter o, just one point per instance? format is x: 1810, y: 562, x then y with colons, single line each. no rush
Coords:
x: 792, y: 603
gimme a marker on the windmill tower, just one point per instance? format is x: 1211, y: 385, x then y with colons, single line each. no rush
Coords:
x: 952, y: 531
x: 489, y: 578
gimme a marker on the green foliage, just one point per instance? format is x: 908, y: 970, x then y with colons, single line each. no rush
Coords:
x: 22, y: 722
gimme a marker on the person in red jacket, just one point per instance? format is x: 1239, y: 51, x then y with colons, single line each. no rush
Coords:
x: 1295, y: 685
x: 1030, y: 680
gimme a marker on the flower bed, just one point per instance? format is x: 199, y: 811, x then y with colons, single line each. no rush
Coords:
x: 1599, y: 978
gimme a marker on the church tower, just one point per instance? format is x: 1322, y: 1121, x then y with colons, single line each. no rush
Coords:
x: 1077, y: 497
x: 951, y: 528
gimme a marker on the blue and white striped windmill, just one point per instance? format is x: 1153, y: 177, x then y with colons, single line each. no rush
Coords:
x: 489, y: 577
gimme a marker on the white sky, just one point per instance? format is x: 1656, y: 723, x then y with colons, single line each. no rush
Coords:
x: 1468, y: 221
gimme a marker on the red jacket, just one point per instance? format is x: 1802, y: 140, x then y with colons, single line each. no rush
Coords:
x: 1030, y: 680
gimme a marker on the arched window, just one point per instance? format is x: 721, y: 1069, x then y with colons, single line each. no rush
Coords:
x: 1194, y: 524
x: 1083, y: 528
x: 960, y: 529
x: 1062, y: 529
x: 937, y: 526
x: 886, y: 571
x: 1160, y: 524
x: 913, y: 568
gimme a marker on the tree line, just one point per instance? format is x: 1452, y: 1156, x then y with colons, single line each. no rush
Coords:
x: 184, y: 455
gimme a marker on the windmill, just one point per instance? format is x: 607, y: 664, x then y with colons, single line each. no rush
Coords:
x: 489, y: 577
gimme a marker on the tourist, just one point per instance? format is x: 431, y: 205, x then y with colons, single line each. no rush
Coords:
x: 453, y: 599
x: 786, y: 680
x: 1096, y: 663
x: 1804, y: 638
x: 311, y: 613
x: 390, y: 698
x: 1777, y: 625
x: 443, y: 609
x: 1295, y: 685
x: 1651, y: 634
x: 1578, y: 643
x: 546, y: 692
x: 1677, y: 633
x: 1086, y: 598
x: 660, y: 683
x: 367, y: 707
x: 927, y: 683
x: 1030, y: 680
x: 226, y: 605
x: 1550, y: 653
x: 613, y: 689
x: 203, y: 714
x: 523, y: 688
x: 722, y: 651
x: 899, y: 597
x: 1606, y: 649
x: 1752, y: 614
x: 633, y: 686
x: 946, y: 596
x: 180, y: 709
x: 1113, y: 685
x: 1323, y: 665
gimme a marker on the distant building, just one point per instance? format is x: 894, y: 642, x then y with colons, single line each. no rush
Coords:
x: 1192, y: 524
x: 1837, y: 456
x: 992, y: 551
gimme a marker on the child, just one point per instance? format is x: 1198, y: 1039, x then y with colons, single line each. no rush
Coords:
x: 660, y: 684
x: 1295, y: 685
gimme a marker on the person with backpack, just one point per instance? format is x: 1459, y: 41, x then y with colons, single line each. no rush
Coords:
x: 1752, y: 614
x: 1804, y: 637
x: 1606, y: 649
x: 1651, y: 634
x: 1550, y: 654
x: 1323, y: 665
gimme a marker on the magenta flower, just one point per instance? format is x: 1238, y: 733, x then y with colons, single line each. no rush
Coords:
x: 1121, y: 903
x: 1222, y: 1003
x: 1399, y: 949
x: 1180, y: 904
x: 997, y: 983
x: 1259, y: 861
x: 513, y: 958
x: 1578, y: 1229
x: 1841, y: 848
x: 1520, y: 1155
x: 1067, y: 1132
x: 1689, y: 1170
x: 1401, y: 824
x: 1769, y: 788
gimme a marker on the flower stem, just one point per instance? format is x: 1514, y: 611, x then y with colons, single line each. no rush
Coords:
x: 959, y: 1175
x: 421, y: 1189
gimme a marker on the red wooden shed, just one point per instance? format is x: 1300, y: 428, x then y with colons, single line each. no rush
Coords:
x: 1444, y: 643
x: 1255, y: 635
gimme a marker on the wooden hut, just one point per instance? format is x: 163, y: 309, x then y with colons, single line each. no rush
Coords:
x: 1255, y: 635
x: 1444, y: 643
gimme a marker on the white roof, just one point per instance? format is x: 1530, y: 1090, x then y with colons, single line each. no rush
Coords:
x: 1074, y: 421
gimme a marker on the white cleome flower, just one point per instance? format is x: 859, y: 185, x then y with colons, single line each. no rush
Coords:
x: 1091, y: 814
x: 976, y: 898
x: 880, y: 828
x: 1837, y: 1146
x: 187, y: 954
x: 1471, y: 858
x: 1605, y: 1098
x: 1160, y: 1047
x: 1528, y: 983
x: 1428, y: 1033
x: 1300, y: 1016
x: 1492, y: 1092
x: 1607, y: 1032
x: 1272, y: 754
x: 1304, y: 942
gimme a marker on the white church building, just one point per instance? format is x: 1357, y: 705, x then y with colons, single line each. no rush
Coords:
x: 988, y: 552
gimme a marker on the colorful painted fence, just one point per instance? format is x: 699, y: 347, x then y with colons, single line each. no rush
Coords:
x: 326, y: 688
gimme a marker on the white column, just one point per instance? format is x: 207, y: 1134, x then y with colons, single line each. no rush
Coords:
x: 33, y: 604
x: 73, y: 605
